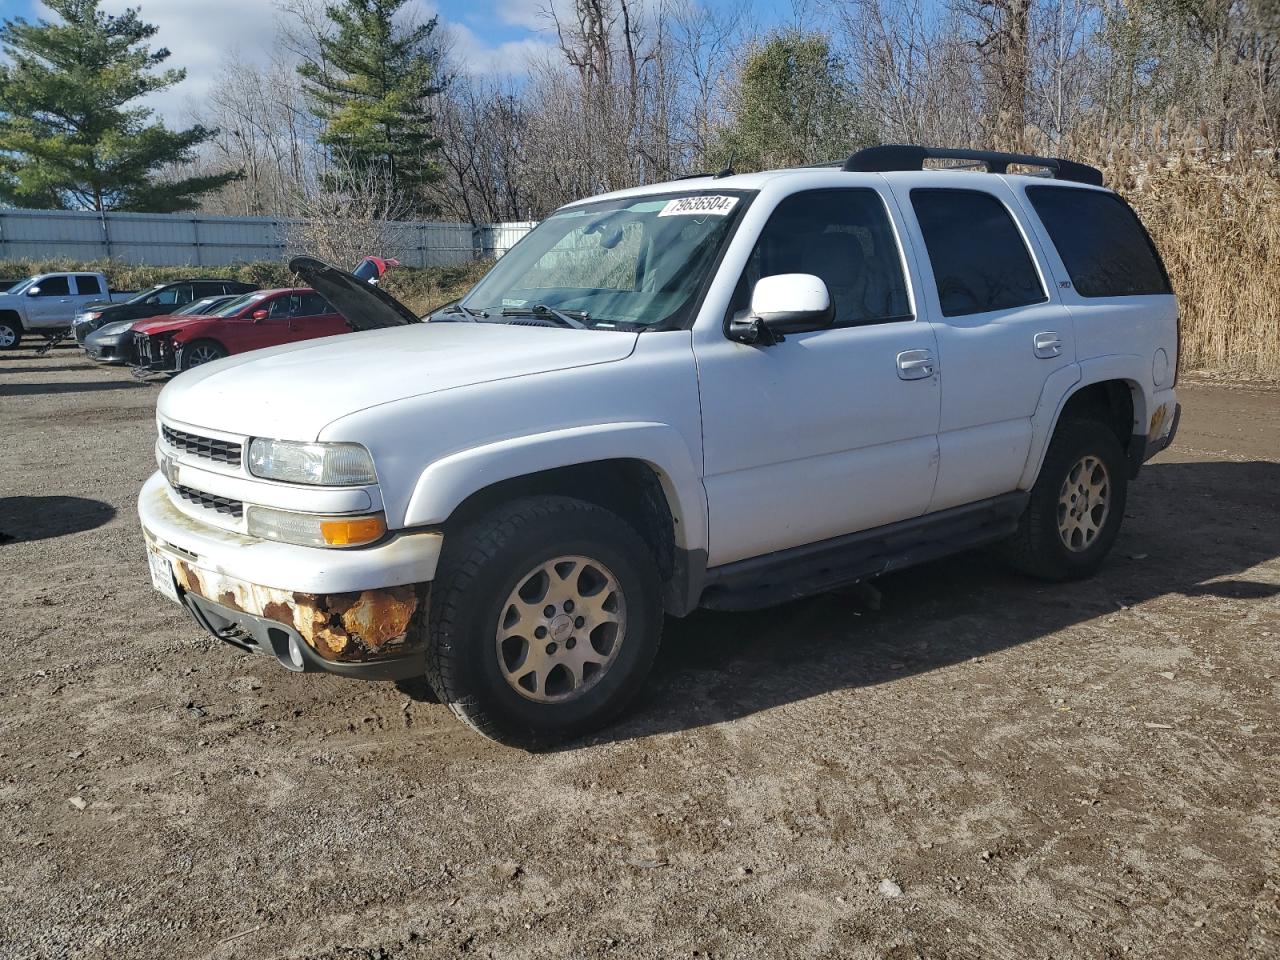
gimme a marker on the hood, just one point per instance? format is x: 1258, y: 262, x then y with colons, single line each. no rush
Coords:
x: 361, y: 303
x: 165, y: 324
x: 293, y: 391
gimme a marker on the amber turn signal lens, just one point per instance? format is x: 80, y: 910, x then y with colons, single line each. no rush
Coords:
x: 352, y: 531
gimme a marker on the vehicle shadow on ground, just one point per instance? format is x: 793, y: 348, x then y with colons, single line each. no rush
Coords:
x: 84, y: 386
x: 43, y: 518
x: 80, y: 367
x: 1187, y: 525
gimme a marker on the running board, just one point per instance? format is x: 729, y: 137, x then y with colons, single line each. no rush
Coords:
x: 817, y: 567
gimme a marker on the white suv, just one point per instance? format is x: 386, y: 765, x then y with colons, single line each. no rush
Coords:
x: 719, y: 392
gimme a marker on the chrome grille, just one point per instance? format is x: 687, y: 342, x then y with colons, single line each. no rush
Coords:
x: 219, y: 451
x: 224, y: 505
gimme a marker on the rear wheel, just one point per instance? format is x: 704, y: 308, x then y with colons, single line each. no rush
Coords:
x: 1076, y: 505
x: 10, y: 333
x: 201, y: 351
x: 545, y: 619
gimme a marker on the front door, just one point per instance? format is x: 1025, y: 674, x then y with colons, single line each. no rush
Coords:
x: 1001, y: 332
x: 833, y: 431
x: 52, y: 306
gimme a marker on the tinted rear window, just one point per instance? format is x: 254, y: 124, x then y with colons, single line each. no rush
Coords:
x: 1101, y: 241
x: 980, y: 262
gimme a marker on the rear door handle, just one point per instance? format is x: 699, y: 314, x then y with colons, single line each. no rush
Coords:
x: 915, y: 365
x: 1047, y: 345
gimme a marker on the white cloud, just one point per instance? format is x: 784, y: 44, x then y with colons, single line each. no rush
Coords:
x: 204, y: 36
x: 473, y: 55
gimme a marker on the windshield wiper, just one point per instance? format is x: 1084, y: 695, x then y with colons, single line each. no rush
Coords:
x: 468, y: 315
x: 569, y: 318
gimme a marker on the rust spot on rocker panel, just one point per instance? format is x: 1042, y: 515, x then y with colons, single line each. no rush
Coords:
x: 347, y: 627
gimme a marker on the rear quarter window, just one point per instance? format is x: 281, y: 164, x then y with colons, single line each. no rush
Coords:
x: 1103, y: 245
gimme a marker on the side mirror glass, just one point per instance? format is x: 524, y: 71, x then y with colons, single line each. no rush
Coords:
x: 782, y: 304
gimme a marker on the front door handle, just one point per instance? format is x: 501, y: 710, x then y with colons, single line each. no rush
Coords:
x: 1047, y: 345
x: 915, y: 365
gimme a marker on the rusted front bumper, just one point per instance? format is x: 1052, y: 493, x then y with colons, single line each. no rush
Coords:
x: 359, y: 627
x: 358, y: 612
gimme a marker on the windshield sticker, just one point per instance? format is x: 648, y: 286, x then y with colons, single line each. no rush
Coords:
x: 508, y: 302
x: 699, y: 206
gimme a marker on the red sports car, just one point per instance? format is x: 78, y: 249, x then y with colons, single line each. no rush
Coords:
x: 263, y: 318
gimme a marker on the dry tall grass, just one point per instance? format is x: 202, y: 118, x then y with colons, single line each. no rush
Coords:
x: 1216, y: 219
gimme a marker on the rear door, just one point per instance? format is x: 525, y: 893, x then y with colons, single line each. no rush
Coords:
x: 314, y: 317
x: 1001, y: 330
x: 88, y: 288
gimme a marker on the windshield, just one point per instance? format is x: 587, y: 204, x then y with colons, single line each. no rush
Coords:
x: 199, y: 307
x: 237, y: 304
x: 636, y: 262
x: 21, y: 287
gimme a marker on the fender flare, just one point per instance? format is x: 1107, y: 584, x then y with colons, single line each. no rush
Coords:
x: 1065, y: 383
x: 445, y: 483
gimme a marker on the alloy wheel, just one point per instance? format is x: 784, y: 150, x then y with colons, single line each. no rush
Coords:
x: 202, y: 355
x: 1083, y: 503
x: 560, y: 629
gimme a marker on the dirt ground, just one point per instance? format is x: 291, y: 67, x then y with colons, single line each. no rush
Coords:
x: 1090, y: 770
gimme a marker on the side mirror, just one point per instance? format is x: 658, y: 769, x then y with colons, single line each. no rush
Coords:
x: 33, y: 291
x: 259, y: 315
x: 782, y: 304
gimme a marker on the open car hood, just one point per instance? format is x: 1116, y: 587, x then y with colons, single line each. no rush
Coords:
x: 362, y: 304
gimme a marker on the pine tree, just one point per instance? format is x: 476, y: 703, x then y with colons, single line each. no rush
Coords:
x: 370, y: 86
x: 71, y: 135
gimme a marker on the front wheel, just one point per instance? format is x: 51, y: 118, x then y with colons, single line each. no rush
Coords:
x: 10, y: 334
x: 201, y: 351
x: 545, y: 620
x: 1076, y: 505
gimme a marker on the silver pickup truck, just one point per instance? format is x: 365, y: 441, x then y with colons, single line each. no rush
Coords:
x: 47, y: 303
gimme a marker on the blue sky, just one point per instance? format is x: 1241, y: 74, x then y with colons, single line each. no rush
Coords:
x: 490, y: 36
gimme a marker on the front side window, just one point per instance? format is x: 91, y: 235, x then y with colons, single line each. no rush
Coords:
x: 1102, y: 243
x: 54, y: 287
x: 843, y: 237
x: 281, y: 307
x: 980, y: 262
x: 635, y: 263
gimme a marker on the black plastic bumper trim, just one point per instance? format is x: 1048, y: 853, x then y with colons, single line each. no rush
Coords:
x: 259, y: 635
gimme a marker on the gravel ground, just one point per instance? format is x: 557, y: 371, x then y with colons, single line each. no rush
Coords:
x: 982, y: 767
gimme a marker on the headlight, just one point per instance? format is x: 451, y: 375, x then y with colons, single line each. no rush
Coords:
x: 321, y: 464
x: 91, y: 315
x: 312, y: 530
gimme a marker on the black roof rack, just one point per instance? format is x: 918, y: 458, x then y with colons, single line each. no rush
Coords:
x: 911, y: 157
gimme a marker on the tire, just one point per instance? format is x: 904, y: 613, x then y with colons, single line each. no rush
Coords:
x: 1060, y: 538
x: 494, y: 588
x: 198, y: 352
x: 10, y: 333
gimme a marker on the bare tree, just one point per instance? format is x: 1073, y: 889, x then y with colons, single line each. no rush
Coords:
x: 358, y: 213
